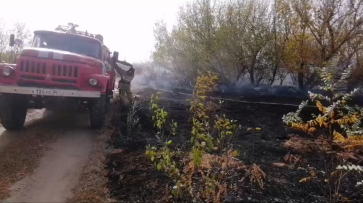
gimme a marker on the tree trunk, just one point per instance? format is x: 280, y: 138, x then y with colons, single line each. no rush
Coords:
x: 301, y: 77
x: 258, y: 83
x: 300, y: 81
x: 241, y: 71
x: 252, y: 76
x: 274, y: 72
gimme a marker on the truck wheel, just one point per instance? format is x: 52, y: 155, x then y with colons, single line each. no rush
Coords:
x: 98, y: 112
x: 13, y: 109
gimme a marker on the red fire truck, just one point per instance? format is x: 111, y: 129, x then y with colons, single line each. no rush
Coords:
x: 65, y: 68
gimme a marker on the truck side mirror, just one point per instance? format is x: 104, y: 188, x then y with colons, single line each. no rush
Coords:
x: 115, y: 56
x: 12, y: 40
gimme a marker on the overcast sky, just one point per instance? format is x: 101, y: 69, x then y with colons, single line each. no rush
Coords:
x: 126, y: 25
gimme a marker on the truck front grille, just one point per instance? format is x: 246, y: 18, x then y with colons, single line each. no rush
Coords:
x: 27, y: 66
x: 65, y: 71
x: 37, y: 71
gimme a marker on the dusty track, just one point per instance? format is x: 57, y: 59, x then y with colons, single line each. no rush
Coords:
x: 60, y: 166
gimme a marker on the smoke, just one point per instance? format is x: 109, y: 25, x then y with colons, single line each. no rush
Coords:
x: 263, y: 90
x: 151, y: 75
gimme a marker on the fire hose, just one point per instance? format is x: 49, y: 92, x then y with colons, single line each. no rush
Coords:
x: 236, y: 100
x: 226, y: 99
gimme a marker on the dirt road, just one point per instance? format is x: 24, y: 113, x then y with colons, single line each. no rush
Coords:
x: 43, y: 162
x: 60, y: 164
x: 33, y: 117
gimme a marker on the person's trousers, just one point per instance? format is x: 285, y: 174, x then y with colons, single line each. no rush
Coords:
x: 125, y: 93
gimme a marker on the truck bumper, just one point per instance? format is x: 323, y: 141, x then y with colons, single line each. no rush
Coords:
x: 48, y: 92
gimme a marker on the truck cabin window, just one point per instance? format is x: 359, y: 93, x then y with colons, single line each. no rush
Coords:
x: 69, y: 43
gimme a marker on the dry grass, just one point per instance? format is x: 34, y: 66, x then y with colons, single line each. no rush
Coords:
x: 300, y: 144
x: 21, y: 157
x: 92, y: 186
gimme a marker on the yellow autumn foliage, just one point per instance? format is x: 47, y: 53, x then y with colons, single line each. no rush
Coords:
x: 334, y: 115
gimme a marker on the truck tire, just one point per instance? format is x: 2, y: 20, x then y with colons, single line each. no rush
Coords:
x: 98, y: 112
x: 13, y: 109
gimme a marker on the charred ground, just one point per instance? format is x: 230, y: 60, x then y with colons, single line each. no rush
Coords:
x: 133, y: 178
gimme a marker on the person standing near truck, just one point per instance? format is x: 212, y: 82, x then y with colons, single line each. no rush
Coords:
x: 124, y: 84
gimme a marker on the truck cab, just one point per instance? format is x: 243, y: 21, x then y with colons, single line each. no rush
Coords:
x: 64, y: 68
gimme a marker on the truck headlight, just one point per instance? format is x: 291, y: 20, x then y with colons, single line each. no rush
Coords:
x: 93, y: 81
x: 7, y: 71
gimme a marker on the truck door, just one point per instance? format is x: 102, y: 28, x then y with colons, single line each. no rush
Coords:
x: 109, y: 70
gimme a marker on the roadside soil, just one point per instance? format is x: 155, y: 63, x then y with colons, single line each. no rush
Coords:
x: 133, y: 178
x: 43, y: 161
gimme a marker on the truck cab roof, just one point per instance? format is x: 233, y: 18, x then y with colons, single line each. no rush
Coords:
x: 84, y: 37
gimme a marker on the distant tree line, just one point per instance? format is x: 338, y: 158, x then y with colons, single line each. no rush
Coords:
x: 262, y: 42
x: 8, y: 54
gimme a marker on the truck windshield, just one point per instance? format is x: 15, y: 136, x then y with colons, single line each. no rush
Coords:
x: 68, y: 43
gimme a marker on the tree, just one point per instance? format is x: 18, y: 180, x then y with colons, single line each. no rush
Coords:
x: 190, y: 46
x: 244, y: 34
x: 23, y: 33
x: 248, y: 40
x: 4, y: 40
x: 334, y: 25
